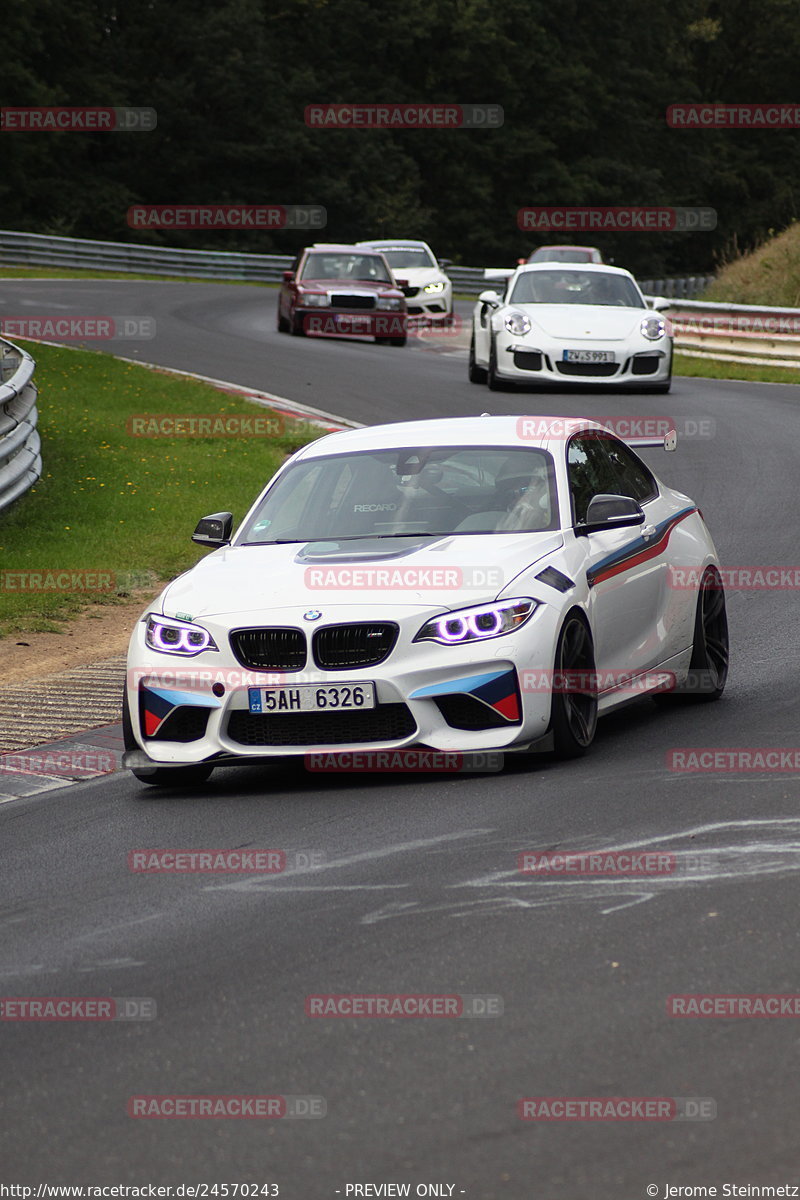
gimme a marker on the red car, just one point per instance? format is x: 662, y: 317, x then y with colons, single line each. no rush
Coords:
x: 342, y: 291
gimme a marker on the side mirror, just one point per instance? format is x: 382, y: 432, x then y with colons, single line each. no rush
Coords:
x: 521, y: 262
x: 214, y: 531
x: 611, y: 512
x: 489, y: 298
x: 445, y: 262
x: 288, y: 276
x: 659, y: 303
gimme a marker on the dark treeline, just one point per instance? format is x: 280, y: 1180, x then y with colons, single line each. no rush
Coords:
x: 584, y: 86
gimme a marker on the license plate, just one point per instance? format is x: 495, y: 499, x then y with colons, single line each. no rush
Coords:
x: 589, y: 356
x: 312, y: 697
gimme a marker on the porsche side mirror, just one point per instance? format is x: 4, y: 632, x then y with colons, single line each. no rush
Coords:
x: 214, y: 531
x: 659, y: 303
x: 611, y: 512
x: 288, y: 276
x: 489, y: 298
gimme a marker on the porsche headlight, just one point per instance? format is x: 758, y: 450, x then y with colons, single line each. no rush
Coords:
x: 479, y: 623
x: 316, y: 299
x: 653, y: 328
x: 433, y: 287
x: 518, y: 324
x: 389, y: 302
x: 177, y: 637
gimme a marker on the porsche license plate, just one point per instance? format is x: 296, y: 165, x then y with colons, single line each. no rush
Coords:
x: 589, y: 356
x: 312, y: 697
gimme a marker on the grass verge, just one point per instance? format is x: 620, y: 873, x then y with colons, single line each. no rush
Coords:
x: 715, y: 368
x: 121, y: 506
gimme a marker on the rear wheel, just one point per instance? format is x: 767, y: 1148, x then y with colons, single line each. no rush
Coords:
x: 476, y: 374
x: 160, y: 776
x: 708, y: 667
x: 574, y: 714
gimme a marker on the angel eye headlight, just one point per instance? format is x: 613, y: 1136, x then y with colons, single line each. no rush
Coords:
x: 433, y: 287
x: 177, y: 637
x: 653, y: 328
x: 518, y: 324
x: 479, y: 623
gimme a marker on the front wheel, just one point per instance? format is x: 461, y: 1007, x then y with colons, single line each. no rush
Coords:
x: 391, y: 341
x: 283, y: 324
x: 495, y: 383
x: 574, y: 714
x: 297, y: 327
x: 191, y: 776
x: 476, y: 374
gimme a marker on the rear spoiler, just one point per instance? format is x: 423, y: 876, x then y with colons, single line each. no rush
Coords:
x: 668, y: 442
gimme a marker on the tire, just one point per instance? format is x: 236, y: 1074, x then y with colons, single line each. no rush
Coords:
x: 495, y: 384
x: 191, y: 776
x: 708, y: 666
x: 390, y: 341
x: 296, y: 327
x: 283, y: 324
x: 573, y: 719
x: 476, y: 374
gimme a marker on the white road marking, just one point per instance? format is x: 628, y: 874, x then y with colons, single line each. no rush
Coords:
x: 257, y: 884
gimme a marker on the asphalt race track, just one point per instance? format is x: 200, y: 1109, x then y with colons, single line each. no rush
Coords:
x: 418, y: 889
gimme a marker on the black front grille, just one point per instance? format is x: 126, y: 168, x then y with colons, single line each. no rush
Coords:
x: 528, y: 360
x: 343, y: 301
x: 646, y: 364
x: 184, y: 724
x: 338, y: 647
x: 385, y: 723
x: 571, y: 368
x: 275, y: 649
x: 462, y: 711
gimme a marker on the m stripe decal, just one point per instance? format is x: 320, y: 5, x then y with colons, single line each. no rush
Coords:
x: 636, y: 552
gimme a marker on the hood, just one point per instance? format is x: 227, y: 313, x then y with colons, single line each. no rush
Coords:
x: 419, y: 276
x: 588, y: 322
x: 260, y: 582
x: 348, y: 285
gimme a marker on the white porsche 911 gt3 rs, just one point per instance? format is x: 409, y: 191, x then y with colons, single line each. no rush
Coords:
x: 561, y: 324
x: 459, y: 585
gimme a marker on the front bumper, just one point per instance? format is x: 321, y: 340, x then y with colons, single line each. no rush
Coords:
x: 452, y: 699
x: 343, y: 322
x: 437, y: 305
x: 535, y: 359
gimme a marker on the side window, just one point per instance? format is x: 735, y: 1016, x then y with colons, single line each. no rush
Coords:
x: 633, y: 476
x: 590, y: 473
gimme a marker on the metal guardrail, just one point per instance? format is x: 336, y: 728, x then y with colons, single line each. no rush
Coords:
x: 41, y: 250
x: 757, y: 334
x: 20, y: 445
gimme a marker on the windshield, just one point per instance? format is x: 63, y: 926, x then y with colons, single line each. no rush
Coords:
x: 574, y: 256
x: 346, y: 266
x: 391, y: 493
x: 406, y: 258
x: 576, y: 287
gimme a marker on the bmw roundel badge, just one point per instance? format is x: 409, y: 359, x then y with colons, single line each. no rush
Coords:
x: 313, y: 614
